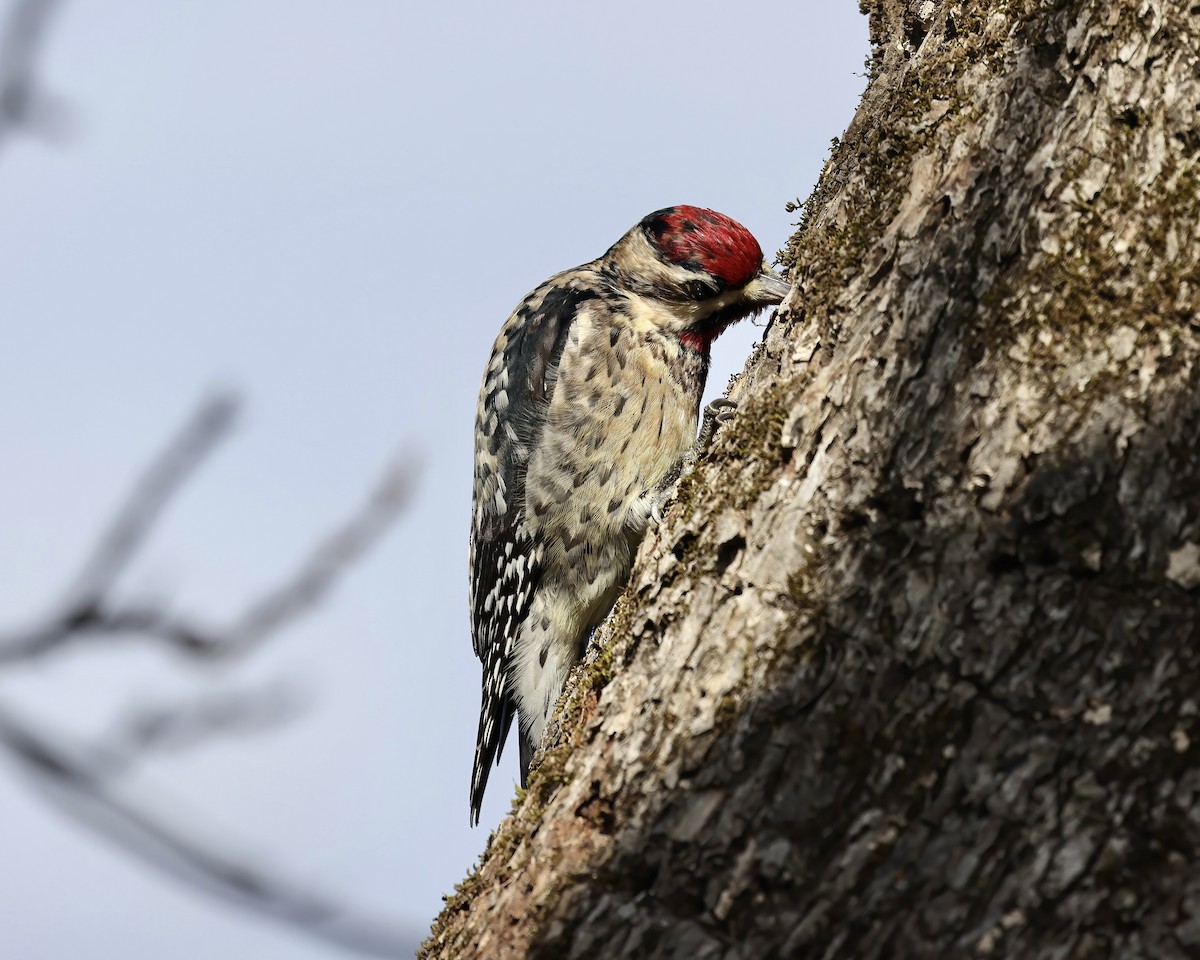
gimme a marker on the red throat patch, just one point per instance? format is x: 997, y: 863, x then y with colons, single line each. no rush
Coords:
x: 716, y: 243
x: 700, y: 342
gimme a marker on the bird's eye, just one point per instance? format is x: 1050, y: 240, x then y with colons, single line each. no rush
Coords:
x: 699, y: 290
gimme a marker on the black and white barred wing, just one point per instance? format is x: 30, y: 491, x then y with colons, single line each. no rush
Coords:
x: 506, y: 558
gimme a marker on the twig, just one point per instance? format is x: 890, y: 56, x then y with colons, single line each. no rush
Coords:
x: 88, y: 782
x: 90, y: 609
x: 85, y: 608
x: 80, y: 782
x: 228, y: 712
x: 321, y: 571
x: 204, y: 430
x: 22, y: 103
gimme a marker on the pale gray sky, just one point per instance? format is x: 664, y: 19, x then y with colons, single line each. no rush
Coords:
x: 331, y: 207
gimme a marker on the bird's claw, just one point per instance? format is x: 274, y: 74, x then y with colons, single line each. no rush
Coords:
x: 658, y: 503
x: 722, y: 408
x: 720, y: 411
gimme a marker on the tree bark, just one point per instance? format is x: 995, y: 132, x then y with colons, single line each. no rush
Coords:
x: 910, y: 670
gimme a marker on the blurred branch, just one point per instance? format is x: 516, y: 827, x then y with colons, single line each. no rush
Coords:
x: 23, y: 105
x: 91, y: 609
x: 87, y: 782
x: 200, y: 435
x: 174, y: 726
x: 81, y: 782
x: 324, y: 566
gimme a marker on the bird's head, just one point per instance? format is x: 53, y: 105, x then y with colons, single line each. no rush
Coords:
x: 703, y: 269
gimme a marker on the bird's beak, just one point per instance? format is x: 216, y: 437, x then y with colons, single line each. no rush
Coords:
x: 767, y: 289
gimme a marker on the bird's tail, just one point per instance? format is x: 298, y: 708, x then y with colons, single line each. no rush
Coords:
x: 495, y: 717
x: 527, y: 749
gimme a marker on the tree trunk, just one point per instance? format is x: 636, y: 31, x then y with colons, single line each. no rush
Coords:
x: 910, y: 670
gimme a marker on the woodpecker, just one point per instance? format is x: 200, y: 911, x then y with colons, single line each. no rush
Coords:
x: 587, y: 414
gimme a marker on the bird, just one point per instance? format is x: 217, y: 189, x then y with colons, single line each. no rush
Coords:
x: 587, y: 416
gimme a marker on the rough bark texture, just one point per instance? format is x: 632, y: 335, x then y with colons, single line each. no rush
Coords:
x: 911, y: 669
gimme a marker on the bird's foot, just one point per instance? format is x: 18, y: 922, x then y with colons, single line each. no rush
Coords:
x: 716, y: 413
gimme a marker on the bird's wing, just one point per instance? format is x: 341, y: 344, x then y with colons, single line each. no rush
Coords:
x: 506, y: 561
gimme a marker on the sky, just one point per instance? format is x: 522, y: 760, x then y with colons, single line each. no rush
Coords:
x: 331, y: 209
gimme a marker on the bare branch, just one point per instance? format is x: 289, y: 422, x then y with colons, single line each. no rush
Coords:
x: 86, y: 782
x: 208, y: 426
x: 317, y: 576
x: 229, y: 712
x: 91, y: 610
x: 23, y: 105
x: 86, y: 606
x: 80, y: 782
